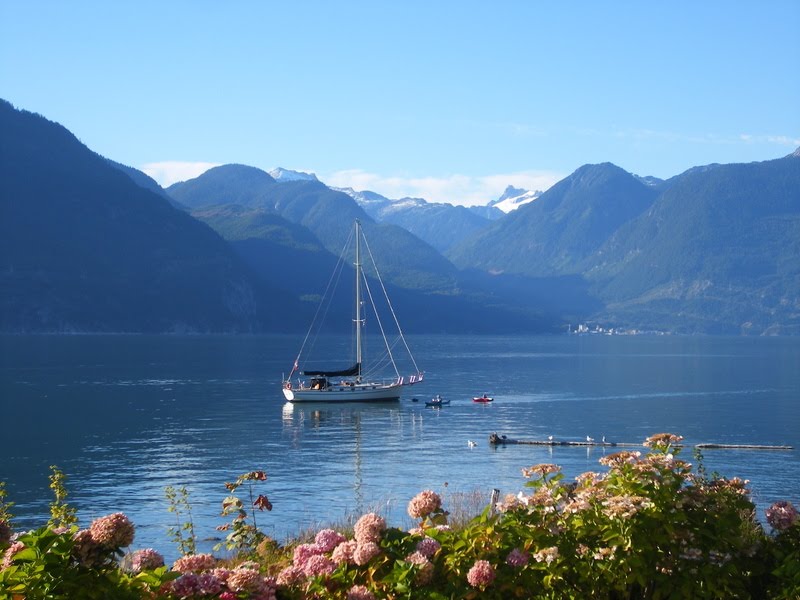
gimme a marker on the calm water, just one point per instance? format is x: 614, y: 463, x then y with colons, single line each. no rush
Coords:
x: 125, y: 416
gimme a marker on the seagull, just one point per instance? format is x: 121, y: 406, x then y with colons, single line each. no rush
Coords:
x: 471, y: 444
x: 589, y: 439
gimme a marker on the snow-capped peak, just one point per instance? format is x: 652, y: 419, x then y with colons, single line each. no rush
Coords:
x: 513, y: 198
x: 282, y: 175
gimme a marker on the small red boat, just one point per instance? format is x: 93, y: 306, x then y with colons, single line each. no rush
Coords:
x: 484, y: 399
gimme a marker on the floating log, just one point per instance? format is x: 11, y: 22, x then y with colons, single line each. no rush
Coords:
x: 742, y: 447
x: 501, y: 440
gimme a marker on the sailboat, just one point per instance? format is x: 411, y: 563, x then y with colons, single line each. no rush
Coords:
x: 355, y: 383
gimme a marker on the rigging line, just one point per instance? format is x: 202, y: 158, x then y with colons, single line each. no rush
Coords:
x: 389, y: 302
x: 378, y: 319
x: 336, y: 274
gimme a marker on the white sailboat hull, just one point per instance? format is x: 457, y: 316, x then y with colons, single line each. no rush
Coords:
x: 347, y: 385
x: 356, y: 393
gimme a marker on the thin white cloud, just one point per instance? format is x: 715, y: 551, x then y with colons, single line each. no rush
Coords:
x: 781, y: 140
x: 701, y: 138
x: 466, y: 190
x: 172, y: 171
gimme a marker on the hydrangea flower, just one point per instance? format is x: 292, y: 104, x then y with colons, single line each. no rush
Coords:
x: 663, y: 440
x: 548, y: 555
x: 8, y: 556
x: 303, y: 552
x: 328, y: 539
x: 365, y: 552
x: 425, y: 568
x: 247, y: 580
x: 343, y: 553
x: 781, y: 515
x: 541, y: 470
x: 369, y: 528
x: 428, y: 547
x: 194, y: 563
x: 517, y: 558
x: 146, y: 560
x: 112, y: 531
x: 481, y: 574
x: 424, y: 504
x: 319, y: 565
x: 360, y: 592
x: 291, y: 575
x: 86, y: 550
x: 185, y: 586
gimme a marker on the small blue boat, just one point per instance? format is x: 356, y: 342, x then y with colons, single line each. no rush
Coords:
x: 437, y: 400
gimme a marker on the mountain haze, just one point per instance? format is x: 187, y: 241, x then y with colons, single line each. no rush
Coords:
x: 84, y: 248
x: 439, y: 224
x: 719, y: 251
x: 88, y: 244
x: 568, y: 222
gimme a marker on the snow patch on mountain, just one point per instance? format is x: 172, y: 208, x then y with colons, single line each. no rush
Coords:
x: 282, y: 175
x: 513, y: 198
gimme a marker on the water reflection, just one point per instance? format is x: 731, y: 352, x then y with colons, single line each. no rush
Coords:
x: 144, y: 413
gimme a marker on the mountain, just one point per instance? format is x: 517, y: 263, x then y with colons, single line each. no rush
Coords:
x: 561, y: 228
x: 327, y: 213
x: 717, y: 252
x: 713, y: 250
x: 424, y: 285
x: 84, y: 248
x: 441, y: 225
x: 512, y: 198
x: 226, y: 184
x: 490, y: 213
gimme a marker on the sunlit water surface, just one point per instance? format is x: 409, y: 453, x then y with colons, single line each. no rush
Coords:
x: 126, y: 416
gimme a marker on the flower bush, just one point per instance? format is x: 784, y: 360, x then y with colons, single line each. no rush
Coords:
x: 650, y: 526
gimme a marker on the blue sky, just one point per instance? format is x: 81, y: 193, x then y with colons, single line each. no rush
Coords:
x: 450, y: 101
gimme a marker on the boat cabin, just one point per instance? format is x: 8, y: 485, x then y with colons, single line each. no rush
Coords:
x: 319, y: 383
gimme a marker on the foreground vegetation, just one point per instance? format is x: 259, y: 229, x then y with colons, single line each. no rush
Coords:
x: 649, y: 527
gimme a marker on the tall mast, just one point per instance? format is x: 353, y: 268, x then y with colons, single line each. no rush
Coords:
x: 358, y: 298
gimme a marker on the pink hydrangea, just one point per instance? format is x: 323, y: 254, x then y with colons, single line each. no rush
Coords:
x: 185, y: 586
x: 318, y: 565
x: 328, y: 539
x: 8, y: 556
x: 194, y: 563
x: 360, y: 592
x: 303, y: 552
x: 428, y: 547
x: 221, y: 573
x: 369, y: 528
x: 291, y: 575
x: 517, y: 558
x: 343, y: 553
x: 365, y: 552
x: 424, y: 568
x: 781, y: 515
x: 424, y: 504
x: 86, y: 550
x: 247, y: 581
x: 112, y: 531
x: 146, y: 560
x: 481, y: 575
x: 210, y: 584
